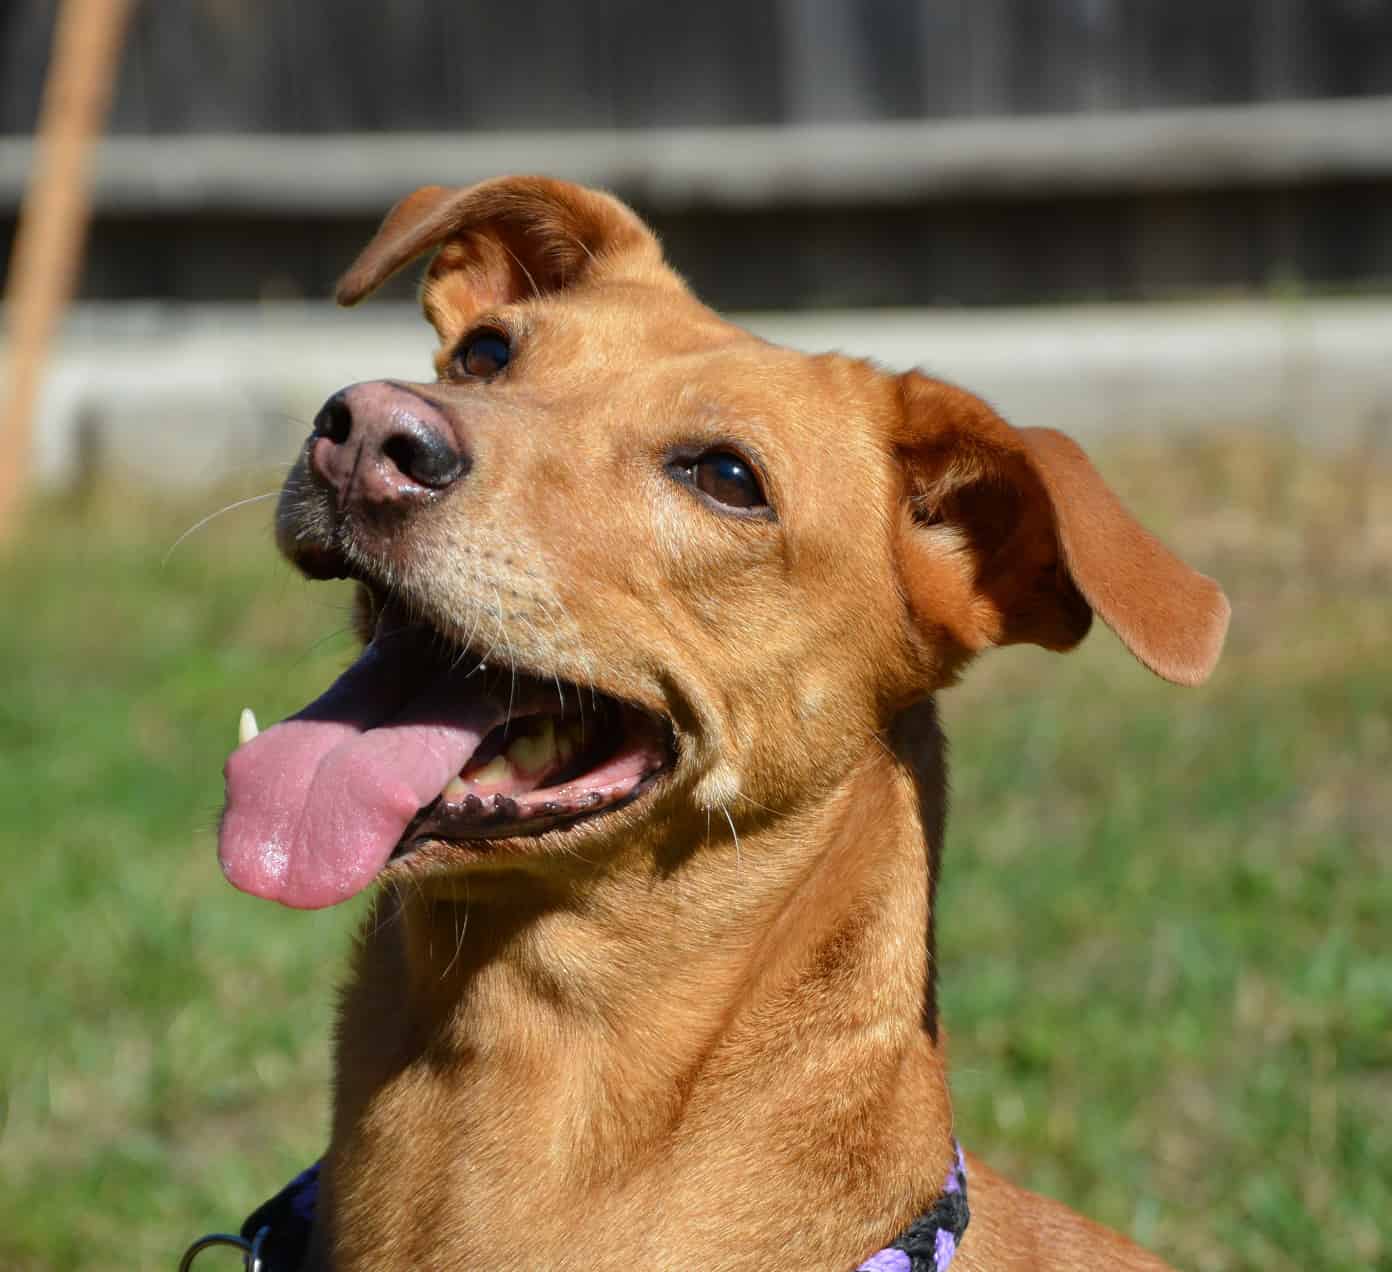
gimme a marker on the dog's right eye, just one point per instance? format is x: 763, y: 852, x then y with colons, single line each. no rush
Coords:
x: 482, y: 354
x: 725, y: 478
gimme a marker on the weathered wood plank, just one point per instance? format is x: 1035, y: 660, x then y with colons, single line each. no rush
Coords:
x: 345, y: 65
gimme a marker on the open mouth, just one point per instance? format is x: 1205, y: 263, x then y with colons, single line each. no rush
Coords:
x: 420, y: 742
x: 545, y: 768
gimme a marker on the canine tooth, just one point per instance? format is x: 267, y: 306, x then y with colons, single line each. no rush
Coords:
x: 495, y: 771
x: 454, y: 791
x: 247, y: 728
x: 532, y: 753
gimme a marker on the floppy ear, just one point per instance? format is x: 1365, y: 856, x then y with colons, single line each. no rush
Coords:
x: 1011, y: 535
x: 504, y: 240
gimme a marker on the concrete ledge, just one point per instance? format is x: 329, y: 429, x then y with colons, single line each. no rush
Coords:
x: 1288, y: 143
x: 199, y: 394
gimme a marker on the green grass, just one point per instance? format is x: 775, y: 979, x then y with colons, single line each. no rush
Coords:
x: 1167, y: 976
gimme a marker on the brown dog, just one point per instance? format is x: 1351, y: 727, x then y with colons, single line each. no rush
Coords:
x: 644, y: 747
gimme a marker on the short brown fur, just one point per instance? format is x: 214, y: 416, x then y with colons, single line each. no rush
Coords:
x: 701, y: 1031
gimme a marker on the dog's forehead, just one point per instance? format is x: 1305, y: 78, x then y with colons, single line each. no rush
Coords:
x: 663, y: 347
x: 619, y: 319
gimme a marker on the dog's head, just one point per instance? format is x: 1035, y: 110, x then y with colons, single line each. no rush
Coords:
x: 623, y: 563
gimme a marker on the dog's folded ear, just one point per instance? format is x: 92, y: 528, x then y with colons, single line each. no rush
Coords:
x: 504, y: 240
x: 1011, y: 535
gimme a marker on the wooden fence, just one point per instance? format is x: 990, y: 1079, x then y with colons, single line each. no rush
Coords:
x: 478, y: 65
x: 891, y: 152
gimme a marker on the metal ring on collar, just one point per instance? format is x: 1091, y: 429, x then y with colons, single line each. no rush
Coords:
x: 251, y: 1250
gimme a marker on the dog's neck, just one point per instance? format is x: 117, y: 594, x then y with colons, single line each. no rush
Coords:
x: 558, y: 1070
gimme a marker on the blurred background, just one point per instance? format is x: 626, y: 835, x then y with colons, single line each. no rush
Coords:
x: 1163, y: 227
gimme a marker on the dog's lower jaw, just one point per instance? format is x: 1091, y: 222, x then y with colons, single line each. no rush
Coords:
x: 711, y: 1064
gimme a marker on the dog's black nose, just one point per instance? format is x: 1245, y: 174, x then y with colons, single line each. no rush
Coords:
x: 380, y: 442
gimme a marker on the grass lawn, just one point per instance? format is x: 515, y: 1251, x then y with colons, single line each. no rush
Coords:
x: 1164, y: 922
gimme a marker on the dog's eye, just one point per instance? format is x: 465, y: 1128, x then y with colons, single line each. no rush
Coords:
x: 483, y: 354
x: 727, y: 479
x: 723, y: 476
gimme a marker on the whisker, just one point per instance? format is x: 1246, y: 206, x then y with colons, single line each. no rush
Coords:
x: 536, y: 291
x: 724, y: 808
x: 378, y: 926
x: 212, y: 516
x: 316, y: 646
x: 459, y: 931
x: 581, y: 245
x: 761, y: 807
x: 511, y: 657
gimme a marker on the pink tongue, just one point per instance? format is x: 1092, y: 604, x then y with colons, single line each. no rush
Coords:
x: 316, y: 804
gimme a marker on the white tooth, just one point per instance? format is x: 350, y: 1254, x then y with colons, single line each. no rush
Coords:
x: 247, y: 728
x: 495, y: 771
x: 455, y: 791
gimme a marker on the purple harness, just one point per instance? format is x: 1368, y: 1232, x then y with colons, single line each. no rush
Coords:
x: 276, y: 1235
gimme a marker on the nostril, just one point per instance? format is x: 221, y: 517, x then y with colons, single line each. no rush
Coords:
x: 425, y: 457
x: 335, y: 420
x: 378, y: 442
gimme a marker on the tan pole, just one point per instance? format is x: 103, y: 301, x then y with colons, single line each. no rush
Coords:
x: 47, y: 251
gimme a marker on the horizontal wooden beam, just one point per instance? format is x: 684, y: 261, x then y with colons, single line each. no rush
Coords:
x: 894, y: 162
